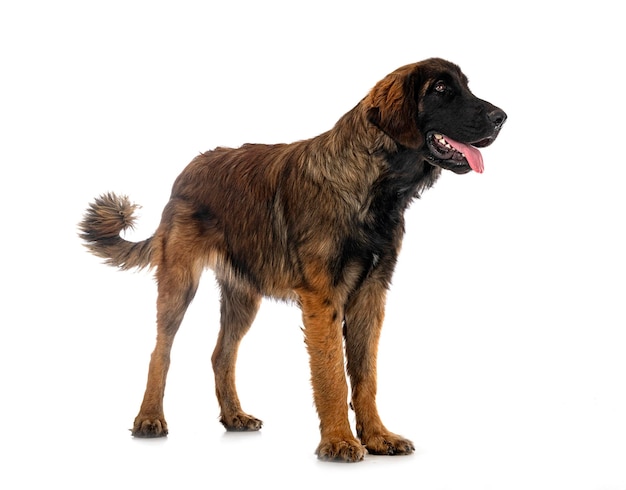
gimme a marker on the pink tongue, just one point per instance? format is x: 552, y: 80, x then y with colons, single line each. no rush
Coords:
x: 472, y: 155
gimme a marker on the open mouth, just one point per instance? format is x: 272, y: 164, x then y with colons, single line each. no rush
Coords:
x: 456, y: 156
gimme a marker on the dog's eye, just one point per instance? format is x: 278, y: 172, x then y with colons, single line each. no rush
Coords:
x: 440, y: 87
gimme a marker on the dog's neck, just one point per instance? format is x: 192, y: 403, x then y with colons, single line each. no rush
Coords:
x: 387, y: 158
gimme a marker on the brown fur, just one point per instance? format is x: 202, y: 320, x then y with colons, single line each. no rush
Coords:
x: 319, y: 222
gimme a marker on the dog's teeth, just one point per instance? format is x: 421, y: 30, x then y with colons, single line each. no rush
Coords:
x: 442, y: 141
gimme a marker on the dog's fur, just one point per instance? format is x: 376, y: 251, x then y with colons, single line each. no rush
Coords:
x: 318, y: 222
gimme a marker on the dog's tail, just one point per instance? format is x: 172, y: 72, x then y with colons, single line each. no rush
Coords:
x: 101, y: 226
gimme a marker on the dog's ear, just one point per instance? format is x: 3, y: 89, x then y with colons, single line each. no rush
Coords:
x: 392, y: 106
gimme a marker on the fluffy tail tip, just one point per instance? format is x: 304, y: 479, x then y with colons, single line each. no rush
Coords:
x: 107, y: 217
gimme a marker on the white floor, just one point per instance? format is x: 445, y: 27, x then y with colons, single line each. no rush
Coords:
x: 484, y: 413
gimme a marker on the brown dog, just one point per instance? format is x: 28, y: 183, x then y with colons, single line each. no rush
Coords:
x: 319, y: 222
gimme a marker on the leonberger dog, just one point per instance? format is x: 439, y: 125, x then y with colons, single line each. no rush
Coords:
x: 318, y: 222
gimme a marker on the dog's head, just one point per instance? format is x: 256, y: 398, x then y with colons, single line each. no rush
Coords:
x: 428, y: 106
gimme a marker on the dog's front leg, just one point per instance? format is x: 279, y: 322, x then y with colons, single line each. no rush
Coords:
x: 323, y: 335
x: 363, y: 323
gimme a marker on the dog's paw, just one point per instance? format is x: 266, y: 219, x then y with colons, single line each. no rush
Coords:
x: 388, y: 444
x: 149, y: 427
x: 349, y: 451
x: 241, y: 422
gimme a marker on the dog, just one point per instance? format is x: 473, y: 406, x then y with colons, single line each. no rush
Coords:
x: 318, y: 222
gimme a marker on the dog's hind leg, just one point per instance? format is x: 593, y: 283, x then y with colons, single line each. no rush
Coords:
x: 177, y: 285
x: 237, y: 311
x: 363, y: 322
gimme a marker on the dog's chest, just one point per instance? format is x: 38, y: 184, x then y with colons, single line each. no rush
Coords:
x: 377, y: 233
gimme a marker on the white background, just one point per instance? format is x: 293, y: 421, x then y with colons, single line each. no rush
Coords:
x: 503, y: 354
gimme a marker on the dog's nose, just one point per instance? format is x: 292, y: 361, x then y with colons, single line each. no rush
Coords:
x: 497, y: 117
